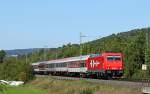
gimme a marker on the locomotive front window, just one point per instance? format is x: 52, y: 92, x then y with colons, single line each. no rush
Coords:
x: 118, y: 58
x: 113, y: 58
x: 110, y: 58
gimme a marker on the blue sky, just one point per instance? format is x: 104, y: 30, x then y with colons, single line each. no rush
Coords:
x: 35, y: 23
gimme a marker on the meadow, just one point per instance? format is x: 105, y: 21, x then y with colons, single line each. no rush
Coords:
x: 50, y: 85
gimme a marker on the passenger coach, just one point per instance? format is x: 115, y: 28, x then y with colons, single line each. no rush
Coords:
x: 93, y: 65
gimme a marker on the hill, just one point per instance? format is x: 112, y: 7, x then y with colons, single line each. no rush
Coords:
x: 24, y: 51
x: 123, y: 36
x: 133, y: 44
x: 21, y: 51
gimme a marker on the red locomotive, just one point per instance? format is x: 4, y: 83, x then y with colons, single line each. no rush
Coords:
x: 95, y: 65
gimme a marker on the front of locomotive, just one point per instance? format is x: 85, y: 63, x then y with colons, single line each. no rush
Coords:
x: 114, y: 64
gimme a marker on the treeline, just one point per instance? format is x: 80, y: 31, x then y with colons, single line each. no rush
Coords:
x: 133, y: 44
x: 15, y: 68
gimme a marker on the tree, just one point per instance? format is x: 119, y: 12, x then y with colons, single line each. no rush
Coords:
x: 2, y: 88
x: 2, y: 56
x: 131, y: 44
x: 16, y: 70
x: 147, y: 54
x: 135, y: 55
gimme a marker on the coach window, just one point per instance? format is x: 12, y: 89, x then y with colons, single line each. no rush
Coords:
x: 82, y: 64
x: 61, y: 64
x: 64, y: 64
x: 49, y: 65
x: 56, y: 65
x: 53, y: 65
x: 46, y: 65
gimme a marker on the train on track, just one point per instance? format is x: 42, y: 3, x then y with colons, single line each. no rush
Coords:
x: 104, y: 65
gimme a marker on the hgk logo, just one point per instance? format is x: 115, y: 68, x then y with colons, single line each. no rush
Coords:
x: 93, y: 63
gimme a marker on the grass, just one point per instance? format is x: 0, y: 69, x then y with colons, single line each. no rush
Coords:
x: 22, y: 90
x: 53, y: 86
x: 50, y: 85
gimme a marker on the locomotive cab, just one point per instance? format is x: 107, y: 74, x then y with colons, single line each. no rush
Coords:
x: 113, y: 64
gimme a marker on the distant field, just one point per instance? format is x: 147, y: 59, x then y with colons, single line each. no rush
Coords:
x: 50, y: 85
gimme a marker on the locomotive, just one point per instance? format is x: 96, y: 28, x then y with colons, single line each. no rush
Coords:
x: 104, y: 65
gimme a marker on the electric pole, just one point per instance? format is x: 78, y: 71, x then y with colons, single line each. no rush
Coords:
x: 81, y: 49
x: 146, y: 47
x: 45, y: 52
x: 80, y: 53
x: 80, y: 45
x: 26, y: 55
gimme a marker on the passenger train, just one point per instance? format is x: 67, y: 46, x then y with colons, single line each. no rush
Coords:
x: 104, y: 65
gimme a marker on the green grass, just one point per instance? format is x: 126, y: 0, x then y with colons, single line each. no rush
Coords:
x: 54, y: 86
x: 22, y: 90
x: 50, y: 85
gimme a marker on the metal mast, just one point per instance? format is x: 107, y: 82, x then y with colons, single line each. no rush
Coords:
x: 45, y: 49
x: 80, y: 45
x: 146, y: 47
x: 80, y: 52
x: 81, y: 48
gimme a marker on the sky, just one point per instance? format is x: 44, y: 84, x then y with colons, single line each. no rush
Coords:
x: 52, y: 23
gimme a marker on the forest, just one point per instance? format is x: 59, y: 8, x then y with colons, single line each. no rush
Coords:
x: 134, y: 44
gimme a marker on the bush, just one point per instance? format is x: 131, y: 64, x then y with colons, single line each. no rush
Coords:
x: 23, y: 76
x: 16, y: 70
x: 140, y: 74
x: 2, y: 88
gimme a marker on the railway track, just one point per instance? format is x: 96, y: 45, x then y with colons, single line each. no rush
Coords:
x: 122, y: 82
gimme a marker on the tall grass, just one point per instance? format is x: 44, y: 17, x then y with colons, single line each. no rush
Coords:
x: 2, y: 88
x: 22, y: 90
x: 53, y: 86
